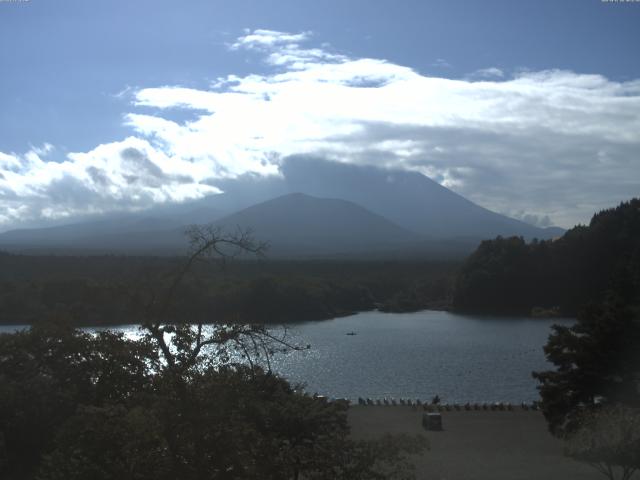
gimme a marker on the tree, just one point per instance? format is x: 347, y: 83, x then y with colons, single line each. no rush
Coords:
x: 103, y: 443
x: 180, y: 344
x: 597, y: 364
x: 508, y: 275
x: 609, y: 441
x: 48, y: 372
x: 176, y: 403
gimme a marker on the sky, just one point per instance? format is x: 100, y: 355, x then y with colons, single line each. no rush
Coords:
x: 528, y: 108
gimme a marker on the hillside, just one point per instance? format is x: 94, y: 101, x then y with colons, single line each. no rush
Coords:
x: 508, y: 275
x: 298, y: 224
x: 130, y: 235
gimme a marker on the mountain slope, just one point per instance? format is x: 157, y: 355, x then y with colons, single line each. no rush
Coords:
x: 294, y: 225
x: 298, y: 224
x: 409, y: 199
x: 158, y: 231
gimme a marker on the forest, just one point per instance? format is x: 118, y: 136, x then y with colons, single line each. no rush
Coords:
x: 112, y: 290
x: 503, y: 276
x: 558, y: 277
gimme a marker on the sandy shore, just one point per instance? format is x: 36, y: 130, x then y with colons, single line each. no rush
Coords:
x: 477, y: 445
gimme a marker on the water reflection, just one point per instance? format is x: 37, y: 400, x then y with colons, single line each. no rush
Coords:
x: 414, y: 355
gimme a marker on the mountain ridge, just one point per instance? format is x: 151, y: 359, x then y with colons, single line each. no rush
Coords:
x: 397, y: 212
x: 307, y: 224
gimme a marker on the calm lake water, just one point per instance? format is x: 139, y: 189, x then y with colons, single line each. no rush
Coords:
x: 417, y: 355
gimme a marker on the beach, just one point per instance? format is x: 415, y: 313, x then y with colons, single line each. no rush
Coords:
x: 477, y: 445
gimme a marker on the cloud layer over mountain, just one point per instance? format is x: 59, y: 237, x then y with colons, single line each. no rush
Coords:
x: 546, y: 147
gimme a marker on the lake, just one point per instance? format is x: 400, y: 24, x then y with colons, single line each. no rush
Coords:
x: 461, y: 358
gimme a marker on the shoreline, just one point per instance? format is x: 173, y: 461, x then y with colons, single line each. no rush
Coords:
x: 449, y: 309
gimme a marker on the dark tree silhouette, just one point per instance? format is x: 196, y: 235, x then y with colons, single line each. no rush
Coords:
x: 507, y: 275
x: 597, y: 364
x: 175, y: 403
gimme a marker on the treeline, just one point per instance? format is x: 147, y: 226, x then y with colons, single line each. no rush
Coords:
x: 508, y: 275
x: 110, y: 290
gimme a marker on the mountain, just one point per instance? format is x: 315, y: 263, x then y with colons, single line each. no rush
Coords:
x: 408, y: 199
x: 299, y: 224
x: 294, y: 225
x: 372, y: 210
x: 139, y: 233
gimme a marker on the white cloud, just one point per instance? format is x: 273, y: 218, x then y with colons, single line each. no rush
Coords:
x: 491, y: 72
x: 261, y: 38
x: 531, y: 218
x: 126, y: 175
x: 283, y: 49
x: 552, y: 143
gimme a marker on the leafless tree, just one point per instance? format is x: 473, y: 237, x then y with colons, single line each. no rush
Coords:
x: 182, y: 343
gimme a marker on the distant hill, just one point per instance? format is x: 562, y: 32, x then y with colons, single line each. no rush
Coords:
x: 298, y: 224
x: 119, y: 235
x: 69, y: 234
x: 507, y: 275
x: 156, y: 232
x: 295, y: 225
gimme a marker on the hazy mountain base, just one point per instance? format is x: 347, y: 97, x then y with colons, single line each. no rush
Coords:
x: 296, y: 226
x: 110, y: 290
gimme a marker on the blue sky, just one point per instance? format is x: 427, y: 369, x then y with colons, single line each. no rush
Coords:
x: 86, y: 79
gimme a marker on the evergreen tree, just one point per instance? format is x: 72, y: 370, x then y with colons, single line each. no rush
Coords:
x: 597, y: 364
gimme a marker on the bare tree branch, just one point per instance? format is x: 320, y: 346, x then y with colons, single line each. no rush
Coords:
x: 182, y: 344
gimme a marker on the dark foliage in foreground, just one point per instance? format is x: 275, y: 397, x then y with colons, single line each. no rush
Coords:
x: 597, y: 366
x: 49, y: 371
x: 185, y: 401
x: 77, y: 406
x: 507, y: 275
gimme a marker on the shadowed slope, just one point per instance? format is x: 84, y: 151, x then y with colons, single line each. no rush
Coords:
x: 301, y: 224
